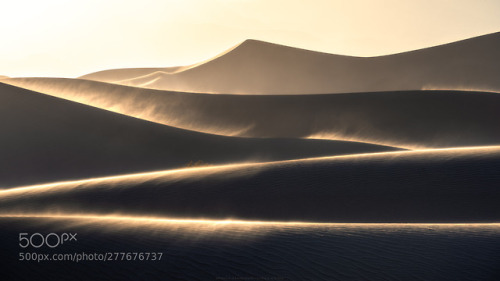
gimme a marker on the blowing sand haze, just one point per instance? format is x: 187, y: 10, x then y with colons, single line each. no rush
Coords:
x: 336, y: 145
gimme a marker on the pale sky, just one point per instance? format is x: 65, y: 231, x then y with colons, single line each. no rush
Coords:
x: 61, y: 38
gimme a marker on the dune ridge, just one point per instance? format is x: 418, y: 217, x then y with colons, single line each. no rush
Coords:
x: 441, y: 185
x: 411, y: 119
x: 257, y: 67
x: 117, y: 75
x: 148, y: 75
x: 118, y: 221
x: 46, y: 139
x: 207, y: 251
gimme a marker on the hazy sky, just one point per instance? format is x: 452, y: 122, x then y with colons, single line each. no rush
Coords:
x: 71, y: 38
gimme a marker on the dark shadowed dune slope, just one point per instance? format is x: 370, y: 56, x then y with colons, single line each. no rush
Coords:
x: 403, y: 119
x: 44, y: 138
x: 449, y: 185
x: 256, y: 67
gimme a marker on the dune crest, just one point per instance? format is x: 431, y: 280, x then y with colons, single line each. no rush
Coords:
x: 257, y: 67
x: 46, y: 139
x: 126, y: 75
x: 411, y: 119
x: 117, y: 75
x: 376, y: 187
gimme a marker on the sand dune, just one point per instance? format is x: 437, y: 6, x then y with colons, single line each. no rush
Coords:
x: 256, y: 67
x: 403, y: 119
x: 448, y: 185
x: 237, y: 185
x: 117, y: 75
x: 48, y: 139
x: 346, y: 252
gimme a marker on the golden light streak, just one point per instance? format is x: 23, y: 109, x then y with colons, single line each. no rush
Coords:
x: 231, y: 167
x: 163, y: 220
x: 148, y: 104
x: 459, y: 88
x: 127, y: 176
x: 133, y: 101
x: 339, y: 137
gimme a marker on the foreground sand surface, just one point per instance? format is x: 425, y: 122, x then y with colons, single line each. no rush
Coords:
x: 207, y: 251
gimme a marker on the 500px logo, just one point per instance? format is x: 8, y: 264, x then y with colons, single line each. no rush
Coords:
x: 51, y: 240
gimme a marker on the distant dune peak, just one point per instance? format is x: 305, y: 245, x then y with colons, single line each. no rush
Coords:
x: 263, y: 45
x: 262, y: 68
x: 250, y: 41
x: 259, y: 43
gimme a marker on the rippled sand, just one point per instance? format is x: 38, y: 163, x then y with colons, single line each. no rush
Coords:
x: 208, y: 250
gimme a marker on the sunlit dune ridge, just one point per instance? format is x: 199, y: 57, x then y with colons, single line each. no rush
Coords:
x: 464, y: 88
x: 256, y: 67
x: 440, y: 185
x: 230, y: 222
x: 160, y: 107
x: 149, y: 75
x: 230, y: 169
x: 227, y: 230
x: 318, y: 251
x: 129, y: 73
x: 90, y: 142
x: 413, y: 119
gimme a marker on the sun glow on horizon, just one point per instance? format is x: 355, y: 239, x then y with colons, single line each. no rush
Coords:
x: 73, y: 38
